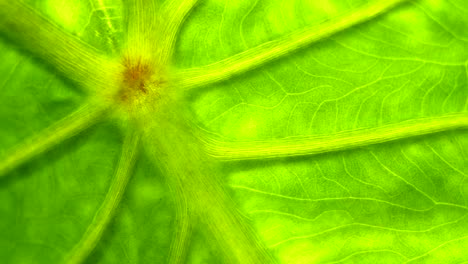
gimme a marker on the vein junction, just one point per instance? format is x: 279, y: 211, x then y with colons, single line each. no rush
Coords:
x: 138, y: 88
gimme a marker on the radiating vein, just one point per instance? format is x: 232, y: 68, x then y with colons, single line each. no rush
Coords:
x: 73, y: 58
x: 311, y: 145
x: 142, y: 27
x: 69, y: 126
x: 257, y: 56
x: 183, y: 230
x: 112, y: 200
x: 174, y: 13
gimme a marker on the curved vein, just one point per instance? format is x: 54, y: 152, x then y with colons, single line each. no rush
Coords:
x: 73, y: 58
x: 311, y: 145
x: 182, y: 234
x: 257, y: 56
x: 435, y: 249
x: 112, y: 200
x: 174, y: 13
x: 69, y: 126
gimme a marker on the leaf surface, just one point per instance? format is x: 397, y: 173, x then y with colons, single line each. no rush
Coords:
x: 405, y: 200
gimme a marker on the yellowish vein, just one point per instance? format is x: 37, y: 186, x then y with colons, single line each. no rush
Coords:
x: 112, y: 200
x: 183, y: 232
x: 311, y: 145
x: 174, y: 13
x: 69, y: 126
x: 75, y: 59
x: 259, y: 55
x: 142, y: 27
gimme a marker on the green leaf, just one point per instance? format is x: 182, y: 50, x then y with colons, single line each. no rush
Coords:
x: 271, y: 131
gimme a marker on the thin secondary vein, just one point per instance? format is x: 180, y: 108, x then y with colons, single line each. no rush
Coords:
x: 363, y: 252
x: 257, y: 56
x: 111, y: 202
x: 436, y: 248
x: 349, y: 198
x: 312, y: 145
x: 73, y: 124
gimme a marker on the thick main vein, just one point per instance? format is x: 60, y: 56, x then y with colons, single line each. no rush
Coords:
x: 69, y: 126
x: 142, y: 28
x: 174, y: 13
x: 257, y: 56
x: 112, y: 200
x: 73, y: 58
x: 311, y: 145
x: 183, y: 233
x: 193, y: 176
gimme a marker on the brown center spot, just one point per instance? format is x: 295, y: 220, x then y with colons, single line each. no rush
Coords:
x: 137, y: 75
